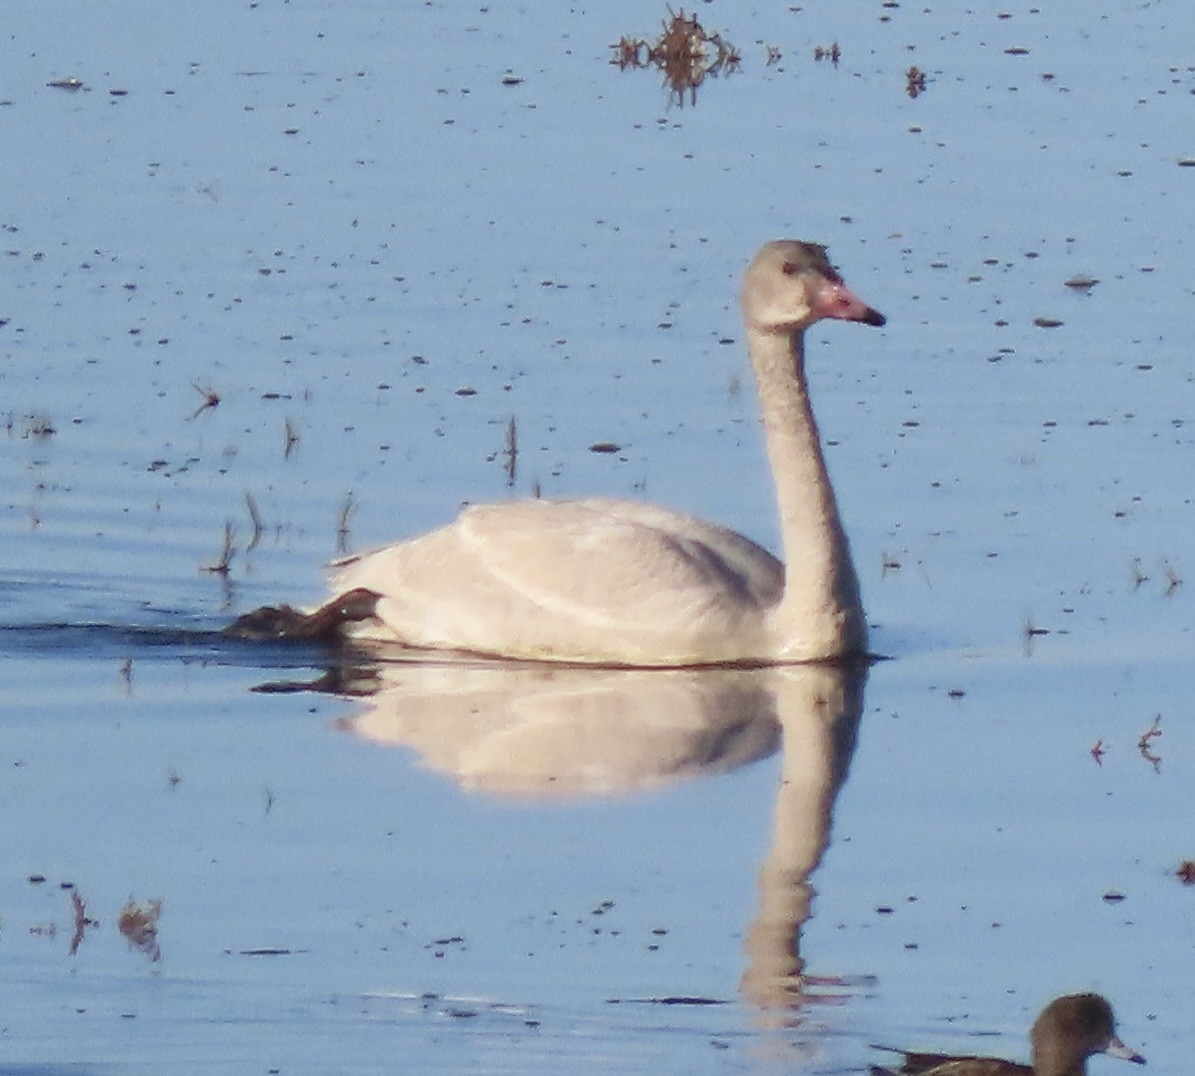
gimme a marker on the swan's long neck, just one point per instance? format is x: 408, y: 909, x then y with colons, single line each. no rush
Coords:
x: 819, y: 616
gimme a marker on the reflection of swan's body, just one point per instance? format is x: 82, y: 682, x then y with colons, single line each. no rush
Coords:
x: 625, y: 583
x: 1069, y: 1031
x: 533, y: 730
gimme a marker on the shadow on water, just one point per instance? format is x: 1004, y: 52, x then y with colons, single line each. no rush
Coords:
x: 540, y: 731
x: 124, y: 641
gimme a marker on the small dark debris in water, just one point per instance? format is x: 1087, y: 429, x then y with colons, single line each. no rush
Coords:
x: 114, y: 92
x: 71, y: 83
x: 1047, y: 323
x: 1186, y: 872
x: 38, y: 426
x: 605, y: 447
x: 461, y: 1014
x: 36, y: 879
x: 772, y: 55
x: 291, y: 131
x: 659, y: 932
x: 884, y: 909
x: 670, y: 999
x: 956, y: 693
x: 511, y: 80
x: 914, y: 82
x: 1016, y: 50
x: 1186, y: 162
x: 265, y: 951
x: 1081, y: 282
x: 1097, y: 752
x: 1113, y: 896
x: 466, y: 391
x: 139, y: 924
x: 603, y: 907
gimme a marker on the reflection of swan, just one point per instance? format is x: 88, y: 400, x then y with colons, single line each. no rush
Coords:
x: 1069, y: 1031
x: 624, y: 583
x: 528, y: 730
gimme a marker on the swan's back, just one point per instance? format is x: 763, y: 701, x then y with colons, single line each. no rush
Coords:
x: 597, y: 581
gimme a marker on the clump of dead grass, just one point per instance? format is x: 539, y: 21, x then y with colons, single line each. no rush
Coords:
x: 685, y: 52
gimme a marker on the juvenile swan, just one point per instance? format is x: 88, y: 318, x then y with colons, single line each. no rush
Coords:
x: 623, y: 583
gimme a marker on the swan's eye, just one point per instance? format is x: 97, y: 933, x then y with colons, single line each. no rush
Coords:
x: 789, y: 269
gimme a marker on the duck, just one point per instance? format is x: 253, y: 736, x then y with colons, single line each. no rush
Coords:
x: 602, y: 581
x: 1067, y: 1032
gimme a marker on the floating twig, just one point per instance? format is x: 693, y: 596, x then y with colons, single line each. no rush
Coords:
x: 211, y: 399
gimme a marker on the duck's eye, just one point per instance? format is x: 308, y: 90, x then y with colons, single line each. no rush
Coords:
x: 789, y: 269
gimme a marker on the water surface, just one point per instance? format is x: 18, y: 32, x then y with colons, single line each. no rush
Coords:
x: 376, y: 235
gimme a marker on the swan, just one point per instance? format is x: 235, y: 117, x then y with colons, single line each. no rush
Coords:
x: 611, y: 582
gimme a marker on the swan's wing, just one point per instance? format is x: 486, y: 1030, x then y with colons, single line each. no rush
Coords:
x: 581, y: 580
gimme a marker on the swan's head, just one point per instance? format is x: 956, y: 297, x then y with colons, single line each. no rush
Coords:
x: 789, y: 285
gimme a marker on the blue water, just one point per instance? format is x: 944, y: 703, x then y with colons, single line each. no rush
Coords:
x: 334, y: 219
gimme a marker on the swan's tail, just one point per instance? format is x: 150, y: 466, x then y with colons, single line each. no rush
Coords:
x: 328, y: 623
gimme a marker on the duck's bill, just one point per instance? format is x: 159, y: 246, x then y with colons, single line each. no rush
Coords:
x: 1116, y: 1048
x: 836, y: 300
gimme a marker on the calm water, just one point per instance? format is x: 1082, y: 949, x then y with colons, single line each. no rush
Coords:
x: 376, y: 234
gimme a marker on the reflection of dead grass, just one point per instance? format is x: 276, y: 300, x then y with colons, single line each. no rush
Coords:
x: 685, y: 52
x: 1146, y: 743
x: 139, y: 924
x: 82, y: 922
x: 914, y: 82
x: 224, y: 565
x: 828, y: 52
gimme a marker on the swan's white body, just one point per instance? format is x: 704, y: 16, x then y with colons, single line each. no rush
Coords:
x: 625, y: 583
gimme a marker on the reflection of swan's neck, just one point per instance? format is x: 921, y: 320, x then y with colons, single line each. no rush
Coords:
x: 818, y: 707
x: 819, y: 615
